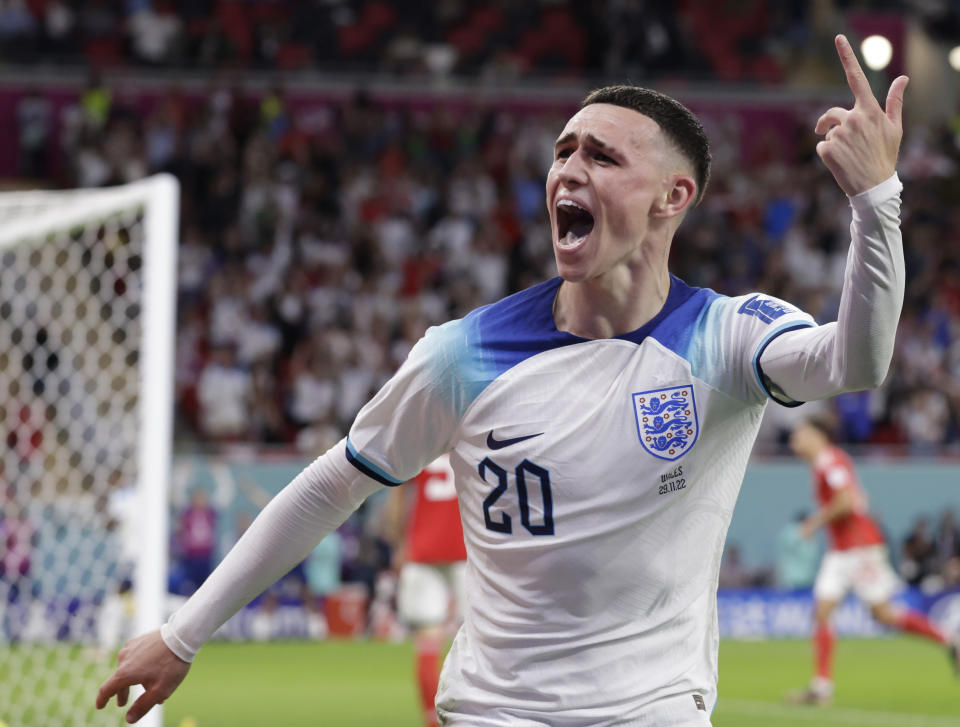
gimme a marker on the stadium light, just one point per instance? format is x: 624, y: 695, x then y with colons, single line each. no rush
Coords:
x: 877, y: 52
x: 954, y: 58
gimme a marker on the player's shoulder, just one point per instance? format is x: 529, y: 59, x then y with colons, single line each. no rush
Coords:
x: 764, y: 308
x: 836, y: 457
x: 503, y: 333
x: 832, y: 459
x: 462, y: 356
x: 683, y: 315
x: 527, y: 311
x: 749, y: 319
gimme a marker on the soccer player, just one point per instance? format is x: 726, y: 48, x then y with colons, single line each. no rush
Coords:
x: 856, y: 560
x: 431, y: 559
x: 598, y: 424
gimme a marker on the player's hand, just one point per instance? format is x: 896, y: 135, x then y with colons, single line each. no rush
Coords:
x: 861, y: 144
x: 144, y: 660
x: 807, y: 528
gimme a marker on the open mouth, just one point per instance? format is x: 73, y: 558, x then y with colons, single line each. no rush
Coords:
x: 574, y: 223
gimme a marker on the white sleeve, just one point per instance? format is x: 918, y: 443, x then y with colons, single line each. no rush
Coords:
x: 313, y: 505
x: 854, y: 352
x: 413, y: 419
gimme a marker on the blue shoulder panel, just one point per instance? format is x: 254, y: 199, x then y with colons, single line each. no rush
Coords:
x: 473, y: 351
x: 682, y: 316
x: 518, y: 327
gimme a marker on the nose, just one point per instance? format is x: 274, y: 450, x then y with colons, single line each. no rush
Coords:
x: 573, y: 173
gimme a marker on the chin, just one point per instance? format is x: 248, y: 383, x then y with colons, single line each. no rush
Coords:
x: 572, y: 273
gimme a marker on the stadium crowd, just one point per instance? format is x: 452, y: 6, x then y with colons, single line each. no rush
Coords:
x: 738, y: 40
x: 317, y: 247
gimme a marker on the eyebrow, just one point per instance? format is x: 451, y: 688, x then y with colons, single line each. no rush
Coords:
x: 593, y: 140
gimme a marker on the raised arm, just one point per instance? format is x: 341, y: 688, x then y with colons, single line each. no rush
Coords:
x: 860, y: 148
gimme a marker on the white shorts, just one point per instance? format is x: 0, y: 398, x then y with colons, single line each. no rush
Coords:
x: 425, y: 592
x: 865, y: 570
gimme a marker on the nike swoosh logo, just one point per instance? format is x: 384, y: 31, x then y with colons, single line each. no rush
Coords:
x: 493, y: 443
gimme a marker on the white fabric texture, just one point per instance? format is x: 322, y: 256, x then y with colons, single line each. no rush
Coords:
x: 854, y: 352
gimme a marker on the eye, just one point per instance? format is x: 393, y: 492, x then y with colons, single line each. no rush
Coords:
x: 603, y: 158
x: 563, y: 153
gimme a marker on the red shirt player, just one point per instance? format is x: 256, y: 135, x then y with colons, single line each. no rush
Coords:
x: 856, y: 560
x: 433, y: 533
x: 432, y: 563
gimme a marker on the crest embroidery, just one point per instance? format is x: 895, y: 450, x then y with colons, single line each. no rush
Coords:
x: 667, y: 421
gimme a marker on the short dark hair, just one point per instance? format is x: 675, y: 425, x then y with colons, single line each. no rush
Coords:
x: 679, y: 123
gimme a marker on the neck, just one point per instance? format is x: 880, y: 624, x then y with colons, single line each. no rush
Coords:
x: 612, y: 305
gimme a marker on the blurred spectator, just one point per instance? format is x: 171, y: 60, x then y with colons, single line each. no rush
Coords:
x: 798, y: 557
x: 196, y: 540
x: 322, y: 577
x: 34, y: 125
x: 733, y: 573
x: 322, y: 568
x: 918, y: 557
x: 155, y: 32
x: 96, y: 101
x: 18, y: 27
x: 307, y: 271
x: 497, y: 41
x: 948, y: 548
x: 224, y: 392
x: 17, y: 532
x: 924, y: 418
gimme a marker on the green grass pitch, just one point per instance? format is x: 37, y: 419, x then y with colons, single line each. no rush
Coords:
x: 891, y: 682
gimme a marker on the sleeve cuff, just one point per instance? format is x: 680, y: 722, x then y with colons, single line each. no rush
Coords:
x: 874, y: 196
x: 178, y: 647
x: 770, y: 388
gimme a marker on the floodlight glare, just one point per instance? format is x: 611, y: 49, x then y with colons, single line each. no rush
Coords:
x: 877, y: 52
x: 954, y: 58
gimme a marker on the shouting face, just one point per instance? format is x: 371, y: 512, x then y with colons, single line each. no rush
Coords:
x: 614, y: 179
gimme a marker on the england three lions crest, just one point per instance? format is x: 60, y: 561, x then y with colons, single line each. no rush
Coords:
x: 667, y: 421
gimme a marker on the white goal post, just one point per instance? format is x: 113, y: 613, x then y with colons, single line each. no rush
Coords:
x: 87, y: 316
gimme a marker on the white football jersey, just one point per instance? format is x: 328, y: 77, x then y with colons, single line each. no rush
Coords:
x: 596, y: 482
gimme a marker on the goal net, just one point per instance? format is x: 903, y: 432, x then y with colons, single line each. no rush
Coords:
x: 87, y: 284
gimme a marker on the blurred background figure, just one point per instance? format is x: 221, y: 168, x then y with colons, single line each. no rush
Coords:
x: 17, y: 532
x: 115, y: 619
x: 423, y: 520
x: 918, y: 557
x: 798, y: 556
x: 948, y: 549
x: 196, y: 540
x: 322, y: 577
x: 857, y: 559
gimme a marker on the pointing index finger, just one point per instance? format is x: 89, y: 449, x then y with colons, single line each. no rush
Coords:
x: 856, y: 78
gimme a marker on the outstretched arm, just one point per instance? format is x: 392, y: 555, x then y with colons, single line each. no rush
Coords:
x: 860, y: 148
x: 317, y: 501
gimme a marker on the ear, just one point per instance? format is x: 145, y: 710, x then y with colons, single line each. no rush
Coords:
x: 680, y: 193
